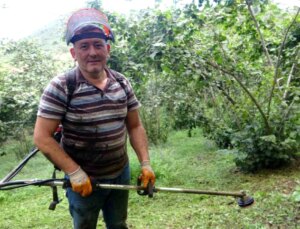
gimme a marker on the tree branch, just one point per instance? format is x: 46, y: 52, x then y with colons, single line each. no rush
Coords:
x: 279, y: 60
x: 262, y: 40
x: 286, y: 115
x: 228, y: 97
x: 264, y: 117
x: 231, y: 100
x: 290, y: 78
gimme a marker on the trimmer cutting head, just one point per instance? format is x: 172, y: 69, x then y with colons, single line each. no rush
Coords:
x: 245, y: 201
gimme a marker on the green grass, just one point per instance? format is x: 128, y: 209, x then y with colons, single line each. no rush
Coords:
x: 183, y: 162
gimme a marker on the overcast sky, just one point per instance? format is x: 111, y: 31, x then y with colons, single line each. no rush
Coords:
x: 19, y: 18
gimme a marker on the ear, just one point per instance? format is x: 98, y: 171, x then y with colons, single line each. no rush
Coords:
x: 108, y: 48
x: 72, y: 51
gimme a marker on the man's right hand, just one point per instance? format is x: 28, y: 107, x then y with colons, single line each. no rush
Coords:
x: 80, y: 182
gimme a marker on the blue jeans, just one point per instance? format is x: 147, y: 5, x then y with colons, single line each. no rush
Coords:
x: 113, y: 203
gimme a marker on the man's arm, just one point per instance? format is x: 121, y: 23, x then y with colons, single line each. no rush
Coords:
x: 139, y: 142
x: 43, y: 139
x: 137, y: 135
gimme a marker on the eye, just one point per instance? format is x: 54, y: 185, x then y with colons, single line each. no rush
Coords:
x: 83, y: 46
x: 98, y: 45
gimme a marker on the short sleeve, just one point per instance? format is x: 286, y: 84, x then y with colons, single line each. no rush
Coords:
x: 54, y: 99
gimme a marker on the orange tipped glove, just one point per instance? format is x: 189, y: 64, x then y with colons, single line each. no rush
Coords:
x: 80, y: 182
x: 147, y: 175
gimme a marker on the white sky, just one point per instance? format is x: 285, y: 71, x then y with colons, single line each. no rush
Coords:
x: 19, y: 18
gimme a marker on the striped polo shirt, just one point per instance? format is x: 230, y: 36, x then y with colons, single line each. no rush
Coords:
x: 94, y: 130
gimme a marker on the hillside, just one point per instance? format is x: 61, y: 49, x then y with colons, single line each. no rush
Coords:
x: 51, y: 38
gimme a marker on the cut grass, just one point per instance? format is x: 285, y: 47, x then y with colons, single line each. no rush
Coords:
x: 183, y: 162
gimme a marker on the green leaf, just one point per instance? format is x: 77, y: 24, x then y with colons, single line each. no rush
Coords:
x: 269, y: 138
x: 296, y: 196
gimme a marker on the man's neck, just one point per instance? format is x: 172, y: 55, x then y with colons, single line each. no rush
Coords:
x: 97, y: 79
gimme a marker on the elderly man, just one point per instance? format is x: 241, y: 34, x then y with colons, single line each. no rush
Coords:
x: 96, y: 112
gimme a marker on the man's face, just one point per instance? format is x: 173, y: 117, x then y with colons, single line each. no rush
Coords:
x: 91, y: 55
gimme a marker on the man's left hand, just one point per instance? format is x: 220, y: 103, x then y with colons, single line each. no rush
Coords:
x: 147, y: 175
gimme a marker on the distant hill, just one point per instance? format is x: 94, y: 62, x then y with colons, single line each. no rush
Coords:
x: 51, y: 38
x: 52, y: 35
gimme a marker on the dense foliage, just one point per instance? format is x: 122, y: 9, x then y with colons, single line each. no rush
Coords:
x: 25, y: 71
x: 231, y: 67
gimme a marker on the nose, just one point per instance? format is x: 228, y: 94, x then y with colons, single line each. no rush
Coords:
x: 92, y: 51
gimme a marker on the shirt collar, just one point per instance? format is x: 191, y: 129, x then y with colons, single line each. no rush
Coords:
x: 81, y: 79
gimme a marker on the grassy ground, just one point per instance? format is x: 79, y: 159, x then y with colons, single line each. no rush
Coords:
x: 182, y: 162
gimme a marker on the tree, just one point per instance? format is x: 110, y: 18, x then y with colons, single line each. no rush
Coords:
x: 97, y: 4
x: 28, y: 70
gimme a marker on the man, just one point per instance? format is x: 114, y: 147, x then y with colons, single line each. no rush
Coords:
x: 96, y: 118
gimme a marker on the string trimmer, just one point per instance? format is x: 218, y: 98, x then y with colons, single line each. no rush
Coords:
x: 243, y: 199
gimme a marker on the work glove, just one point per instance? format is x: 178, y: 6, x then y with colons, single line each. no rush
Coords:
x: 147, y: 175
x: 80, y: 182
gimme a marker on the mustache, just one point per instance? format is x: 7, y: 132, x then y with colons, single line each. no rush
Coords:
x: 96, y: 58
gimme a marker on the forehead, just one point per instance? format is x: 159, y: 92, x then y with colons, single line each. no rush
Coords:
x: 90, y: 41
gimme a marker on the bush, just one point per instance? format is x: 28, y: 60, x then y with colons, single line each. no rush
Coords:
x: 256, y: 151
x: 22, y: 144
